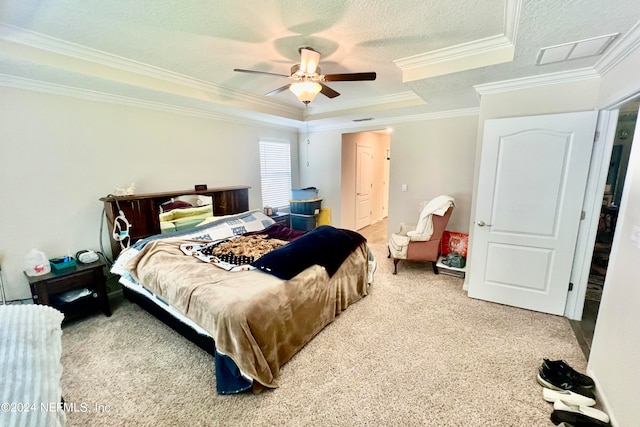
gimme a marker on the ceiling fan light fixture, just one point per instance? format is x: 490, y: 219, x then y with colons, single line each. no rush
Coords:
x: 309, y: 60
x: 305, y: 91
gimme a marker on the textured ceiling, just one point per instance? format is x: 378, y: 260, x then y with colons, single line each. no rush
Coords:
x: 181, y: 54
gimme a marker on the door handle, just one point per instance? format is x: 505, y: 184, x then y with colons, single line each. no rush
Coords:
x: 482, y: 224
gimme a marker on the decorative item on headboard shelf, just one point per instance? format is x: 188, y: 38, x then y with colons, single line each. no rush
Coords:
x: 125, y: 191
x: 201, y: 187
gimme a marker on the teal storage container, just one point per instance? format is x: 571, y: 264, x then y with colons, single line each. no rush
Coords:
x: 303, y: 222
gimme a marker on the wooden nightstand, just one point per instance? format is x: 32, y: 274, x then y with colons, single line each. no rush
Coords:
x: 58, y: 287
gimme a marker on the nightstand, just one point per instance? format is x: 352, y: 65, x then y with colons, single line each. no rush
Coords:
x: 75, y: 291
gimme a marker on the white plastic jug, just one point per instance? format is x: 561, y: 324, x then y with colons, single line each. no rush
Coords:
x: 36, y: 263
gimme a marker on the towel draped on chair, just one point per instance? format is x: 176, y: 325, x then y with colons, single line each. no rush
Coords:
x: 423, y: 231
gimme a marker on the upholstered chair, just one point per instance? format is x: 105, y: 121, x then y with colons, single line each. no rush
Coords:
x: 422, y: 243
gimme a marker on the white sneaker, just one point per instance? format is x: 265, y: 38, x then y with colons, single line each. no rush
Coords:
x: 597, y: 414
x: 567, y: 396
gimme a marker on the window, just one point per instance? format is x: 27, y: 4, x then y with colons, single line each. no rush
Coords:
x: 275, y: 173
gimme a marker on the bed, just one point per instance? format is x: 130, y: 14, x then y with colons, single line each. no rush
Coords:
x: 252, y: 317
x: 30, y: 353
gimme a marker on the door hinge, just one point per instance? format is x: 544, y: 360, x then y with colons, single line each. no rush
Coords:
x: 583, y: 215
x: 570, y: 286
x: 596, y: 137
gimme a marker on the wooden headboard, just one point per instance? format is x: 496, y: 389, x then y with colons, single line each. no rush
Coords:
x: 142, y: 210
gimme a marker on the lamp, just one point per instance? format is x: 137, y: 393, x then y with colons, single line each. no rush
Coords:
x: 305, y: 91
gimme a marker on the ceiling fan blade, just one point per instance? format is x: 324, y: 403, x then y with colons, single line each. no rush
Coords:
x: 259, y: 72
x: 277, y: 91
x: 350, y: 77
x: 328, y: 92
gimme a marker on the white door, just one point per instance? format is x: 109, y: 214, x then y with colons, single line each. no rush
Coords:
x: 531, y: 186
x: 385, y: 187
x: 364, y: 183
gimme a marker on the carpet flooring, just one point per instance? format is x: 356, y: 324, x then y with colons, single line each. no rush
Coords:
x: 415, y: 352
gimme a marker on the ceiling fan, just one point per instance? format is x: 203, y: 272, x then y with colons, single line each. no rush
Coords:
x: 308, y: 78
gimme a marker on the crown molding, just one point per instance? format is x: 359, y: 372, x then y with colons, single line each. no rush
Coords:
x: 536, y: 81
x: 403, y: 99
x: 466, y: 56
x: 97, y: 96
x: 53, y: 45
x: 15, y: 82
x: 626, y: 44
x: 387, y: 121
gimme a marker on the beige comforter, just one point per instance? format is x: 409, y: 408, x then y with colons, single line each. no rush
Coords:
x: 255, y: 318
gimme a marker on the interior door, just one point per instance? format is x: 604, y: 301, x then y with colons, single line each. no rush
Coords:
x: 531, y: 186
x: 385, y: 187
x: 364, y: 184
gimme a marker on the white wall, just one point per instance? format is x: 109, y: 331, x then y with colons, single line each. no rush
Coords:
x: 59, y: 155
x: 615, y: 351
x: 432, y: 157
x: 319, y: 166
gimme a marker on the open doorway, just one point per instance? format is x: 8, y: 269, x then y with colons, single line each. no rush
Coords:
x: 365, y: 184
x: 621, y: 149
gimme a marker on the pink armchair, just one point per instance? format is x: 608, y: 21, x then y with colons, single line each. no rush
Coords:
x: 410, y: 247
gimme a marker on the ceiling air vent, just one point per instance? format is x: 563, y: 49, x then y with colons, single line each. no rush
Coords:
x: 366, y: 119
x: 575, y: 50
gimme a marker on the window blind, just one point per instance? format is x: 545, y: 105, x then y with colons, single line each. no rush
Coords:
x: 275, y: 173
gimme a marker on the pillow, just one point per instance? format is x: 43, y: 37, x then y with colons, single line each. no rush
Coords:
x: 193, y: 211
x: 186, y: 223
x: 167, y: 227
x: 326, y: 246
x: 175, y: 205
x: 166, y: 216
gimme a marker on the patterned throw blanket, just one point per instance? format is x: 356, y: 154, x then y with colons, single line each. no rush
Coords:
x: 233, y: 252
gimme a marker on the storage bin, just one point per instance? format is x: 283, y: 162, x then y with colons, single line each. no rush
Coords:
x: 304, y: 193
x: 306, y: 207
x: 303, y: 222
x: 62, y: 263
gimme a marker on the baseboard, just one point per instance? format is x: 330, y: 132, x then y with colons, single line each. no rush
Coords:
x: 602, y: 399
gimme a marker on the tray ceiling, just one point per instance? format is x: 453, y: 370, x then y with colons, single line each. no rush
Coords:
x: 180, y: 56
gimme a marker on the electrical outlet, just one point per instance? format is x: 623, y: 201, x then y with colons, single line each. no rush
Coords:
x: 404, y: 187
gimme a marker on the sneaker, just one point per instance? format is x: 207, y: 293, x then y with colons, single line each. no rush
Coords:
x: 563, y: 367
x: 555, y: 380
x: 566, y: 396
x: 574, y: 419
x: 587, y: 411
